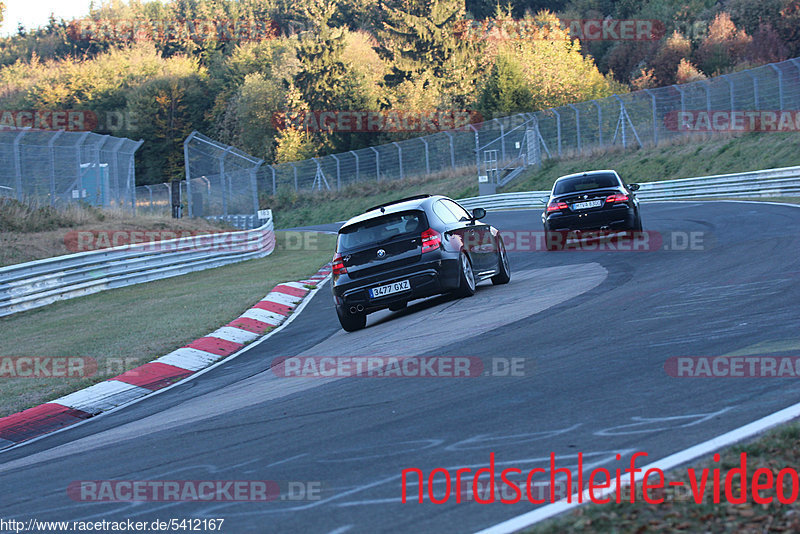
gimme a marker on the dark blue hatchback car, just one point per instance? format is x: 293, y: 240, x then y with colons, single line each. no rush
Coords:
x: 412, y: 248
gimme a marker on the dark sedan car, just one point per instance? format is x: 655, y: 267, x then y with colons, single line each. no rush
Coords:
x: 590, y: 201
x: 412, y: 248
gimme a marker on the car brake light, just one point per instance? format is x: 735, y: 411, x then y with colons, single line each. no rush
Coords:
x: 338, y: 265
x: 431, y: 240
x: 556, y: 206
x: 616, y: 198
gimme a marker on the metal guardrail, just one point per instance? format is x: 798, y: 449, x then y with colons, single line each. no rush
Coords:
x: 38, y: 283
x: 781, y: 182
x: 42, y: 282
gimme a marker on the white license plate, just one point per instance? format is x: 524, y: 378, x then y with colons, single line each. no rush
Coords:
x: 584, y: 205
x: 388, y: 289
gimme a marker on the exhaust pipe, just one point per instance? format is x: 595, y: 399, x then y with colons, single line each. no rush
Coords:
x: 352, y: 309
x: 360, y: 308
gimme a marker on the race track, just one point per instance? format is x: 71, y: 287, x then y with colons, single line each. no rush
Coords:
x: 594, y: 328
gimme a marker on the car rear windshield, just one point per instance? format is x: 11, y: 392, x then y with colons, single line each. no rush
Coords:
x: 585, y: 183
x: 381, y: 229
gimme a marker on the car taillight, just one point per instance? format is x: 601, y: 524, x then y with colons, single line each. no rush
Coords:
x: 616, y: 198
x: 338, y: 265
x: 431, y: 240
x: 556, y: 206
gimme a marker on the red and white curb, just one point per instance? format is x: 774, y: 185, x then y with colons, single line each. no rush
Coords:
x: 131, y: 385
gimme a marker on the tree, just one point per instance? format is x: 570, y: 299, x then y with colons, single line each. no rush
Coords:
x: 551, y: 64
x: 507, y: 89
x: 666, y: 61
x: 723, y: 47
x: 423, y: 45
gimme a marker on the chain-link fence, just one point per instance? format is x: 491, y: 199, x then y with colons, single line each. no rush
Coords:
x: 499, y: 149
x: 220, y: 179
x: 57, y: 167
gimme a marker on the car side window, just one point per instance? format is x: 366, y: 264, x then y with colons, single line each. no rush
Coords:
x: 459, y: 212
x: 441, y: 211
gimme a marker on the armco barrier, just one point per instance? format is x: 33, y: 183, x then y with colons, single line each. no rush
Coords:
x: 781, y: 182
x: 38, y: 283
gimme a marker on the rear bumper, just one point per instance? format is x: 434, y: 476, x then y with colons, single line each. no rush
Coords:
x: 426, y: 279
x: 611, y: 219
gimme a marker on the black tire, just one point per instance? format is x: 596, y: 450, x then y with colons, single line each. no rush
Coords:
x: 466, y: 278
x: 351, y: 321
x: 638, y: 226
x: 553, y: 240
x: 397, y: 306
x: 503, y: 276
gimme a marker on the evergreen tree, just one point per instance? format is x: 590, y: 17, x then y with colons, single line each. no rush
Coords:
x: 424, y: 42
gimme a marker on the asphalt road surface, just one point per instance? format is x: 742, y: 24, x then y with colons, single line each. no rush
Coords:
x: 593, y: 330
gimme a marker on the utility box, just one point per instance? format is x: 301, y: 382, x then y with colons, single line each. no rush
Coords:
x: 94, y: 187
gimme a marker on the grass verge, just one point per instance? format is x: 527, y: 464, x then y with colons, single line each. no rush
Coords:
x: 126, y: 327
x: 31, y: 231
x: 689, y: 158
x: 685, y: 160
x: 776, y: 450
x: 291, y: 209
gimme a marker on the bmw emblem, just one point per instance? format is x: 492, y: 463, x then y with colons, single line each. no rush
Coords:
x: 381, y: 253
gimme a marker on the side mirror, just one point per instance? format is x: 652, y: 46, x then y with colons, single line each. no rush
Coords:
x: 478, y: 213
x: 633, y: 187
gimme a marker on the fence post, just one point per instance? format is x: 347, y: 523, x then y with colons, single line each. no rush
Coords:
x: 477, y: 149
x: 186, y: 166
x: 377, y: 163
x: 274, y: 183
x: 149, y: 190
x: 356, y: 156
x: 655, y: 120
x: 780, y: 85
x: 222, y: 180
x: 502, y: 141
x: 399, y: 157
x: 599, y: 123
x: 254, y: 184
x: 577, y: 125
x: 730, y: 85
x: 683, y: 99
x: 52, y: 151
x: 338, y: 174
x: 558, y: 129
x: 114, y: 164
x: 132, y: 175
x: 452, y: 150
x: 295, y: 176
x: 427, y: 160
x: 18, y: 164
x: 755, y: 89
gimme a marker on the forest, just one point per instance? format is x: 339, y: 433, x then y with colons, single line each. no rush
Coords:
x: 158, y: 70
